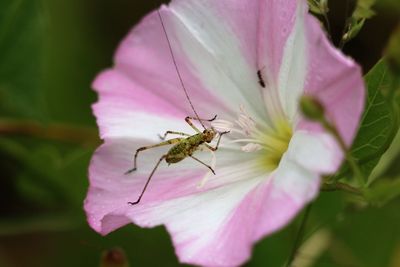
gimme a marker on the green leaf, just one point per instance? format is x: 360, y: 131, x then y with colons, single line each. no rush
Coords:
x: 363, y: 9
x: 21, y: 52
x: 353, y: 29
x: 318, y: 7
x: 393, y: 52
x: 378, y: 127
x: 365, y: 230
x: 383, y: 191
x: 354, y: 24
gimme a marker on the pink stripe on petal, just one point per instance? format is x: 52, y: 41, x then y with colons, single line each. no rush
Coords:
x: 277, y: 209
x: 293, y: 69
x: 276, y: 21
x: 124, y: 106
x: 233, y: 14
x: 110, y: 189
x: 115, y: 87
x: 263, y: 210
x: 201, y: 239
x: 214, y: 52
x: 336, y: 81
x: 266, y: 209
x: 195, y: 224
x: 144, y: 56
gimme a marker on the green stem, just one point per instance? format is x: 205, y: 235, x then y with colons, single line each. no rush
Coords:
x: 84, y: 136
x: 328, y: 25
x: 349, y: 158
x: 299, y: 235
x: 342, y: 187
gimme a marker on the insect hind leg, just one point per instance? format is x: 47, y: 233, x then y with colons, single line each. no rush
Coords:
x: 165, y: 143
x: 148, y: 181
x: 201, y: 162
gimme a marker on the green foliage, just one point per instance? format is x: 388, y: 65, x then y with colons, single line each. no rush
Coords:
x: 378, y: 124
x: 21, y: 52
x: 389, y: 5
x: 45, y: 168
x: 383, y: 191
x: 389, y: 165
x: 366, y: 237
x: 393, y: 52
x: 354, y: 24
x: 319, y: 7
x: 363, y: 9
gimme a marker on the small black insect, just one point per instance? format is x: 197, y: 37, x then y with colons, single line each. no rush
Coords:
x: 260, y: 79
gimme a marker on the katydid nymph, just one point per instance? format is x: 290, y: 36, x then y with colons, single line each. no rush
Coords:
x: 186, y: 145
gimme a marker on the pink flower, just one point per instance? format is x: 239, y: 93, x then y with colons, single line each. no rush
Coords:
x: 268, y: 167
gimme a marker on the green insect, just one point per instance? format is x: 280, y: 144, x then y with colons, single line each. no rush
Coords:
x: 183, y: 146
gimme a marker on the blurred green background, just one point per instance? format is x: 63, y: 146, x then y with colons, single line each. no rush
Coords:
x: 50, y: 51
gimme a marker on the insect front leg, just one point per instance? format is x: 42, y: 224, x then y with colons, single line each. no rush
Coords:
x: 168, y: 142
x: 163, y: 137
x: 188, y: 121
x: 205, y: 178
x: 208, y: 166
x: 148, y: 181
x: 219, y: 139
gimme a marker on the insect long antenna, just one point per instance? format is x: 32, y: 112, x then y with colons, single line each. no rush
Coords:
x: 177, y: 70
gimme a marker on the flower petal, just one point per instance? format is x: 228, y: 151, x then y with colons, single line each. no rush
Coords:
x: 124, y: 106
x: 335, y: 80
x: 301, y: 184
x: 280, y: 42
x: 266, y: 209
x: 144, y: 57
x: 293, y: 69
x: 276, y: 22
x: 214, y: 50
x: 111, y: 190
x: 196, y: 224
x: 317, y: 152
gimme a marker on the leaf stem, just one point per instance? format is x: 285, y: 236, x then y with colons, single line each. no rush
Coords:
x: 342, y: 187
x: 84, y: 136
x: 299, y: 235
x: 328, y: 25
x: 349, y: 158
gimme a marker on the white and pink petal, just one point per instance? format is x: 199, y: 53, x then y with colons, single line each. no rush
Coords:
x: 334, y: 79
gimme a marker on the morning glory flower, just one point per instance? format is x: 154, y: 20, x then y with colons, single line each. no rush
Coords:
x: 249, y: 62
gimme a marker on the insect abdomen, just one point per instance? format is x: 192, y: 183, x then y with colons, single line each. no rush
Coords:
x: 184, y: 148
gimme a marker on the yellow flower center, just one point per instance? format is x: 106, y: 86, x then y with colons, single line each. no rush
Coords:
x: 270, y: 141
x: 274, y: 144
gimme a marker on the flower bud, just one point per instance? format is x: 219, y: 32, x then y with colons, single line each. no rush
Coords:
x: 114, y: 257
x: 324, y: 6
x: 312, y: 108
